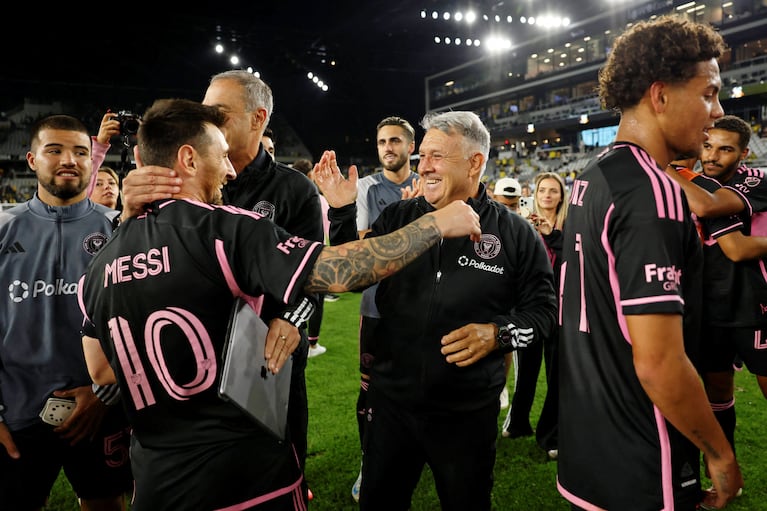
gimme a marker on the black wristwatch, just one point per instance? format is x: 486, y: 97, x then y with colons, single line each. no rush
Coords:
x: 505, y: 339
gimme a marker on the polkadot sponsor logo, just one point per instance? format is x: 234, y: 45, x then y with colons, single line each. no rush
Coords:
x: 18, y: 291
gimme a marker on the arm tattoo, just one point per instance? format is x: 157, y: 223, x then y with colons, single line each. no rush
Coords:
x: 359, y: 264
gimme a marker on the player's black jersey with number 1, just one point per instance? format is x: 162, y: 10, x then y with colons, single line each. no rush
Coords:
x: 630, y: 248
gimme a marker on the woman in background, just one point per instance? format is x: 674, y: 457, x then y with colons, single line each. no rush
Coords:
x: 548, y: 218
x: 107, y: 189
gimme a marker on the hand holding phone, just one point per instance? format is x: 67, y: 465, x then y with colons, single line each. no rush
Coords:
x: 57, y: 410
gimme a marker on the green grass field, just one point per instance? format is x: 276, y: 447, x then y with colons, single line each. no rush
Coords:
x: 524, y: 479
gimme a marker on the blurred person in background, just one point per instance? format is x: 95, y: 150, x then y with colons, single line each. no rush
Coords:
x: 551, y: 206
x: 107, y: 189
x: 268, y: 141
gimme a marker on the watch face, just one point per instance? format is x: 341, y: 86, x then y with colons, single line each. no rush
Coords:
x: 504, y: 337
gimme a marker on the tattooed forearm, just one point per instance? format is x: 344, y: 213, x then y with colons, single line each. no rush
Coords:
x: 358, y: 264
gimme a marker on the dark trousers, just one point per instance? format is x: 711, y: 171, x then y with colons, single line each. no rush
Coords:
x: 547, y: 430
x: 459, y: 448
x: 528, y: 368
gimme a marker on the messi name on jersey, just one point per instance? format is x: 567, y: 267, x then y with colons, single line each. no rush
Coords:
x: 137, y: 266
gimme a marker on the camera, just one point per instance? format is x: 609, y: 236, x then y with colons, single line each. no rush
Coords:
x: 129, y: 122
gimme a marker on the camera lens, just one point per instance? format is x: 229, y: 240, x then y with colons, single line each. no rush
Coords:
x: 129, y: 126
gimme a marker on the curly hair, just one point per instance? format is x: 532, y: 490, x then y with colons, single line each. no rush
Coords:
x: 666, y: 49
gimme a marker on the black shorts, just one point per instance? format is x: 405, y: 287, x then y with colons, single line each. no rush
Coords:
x: 721, y: 344
x: 255, y: 471
x: 97, y: 469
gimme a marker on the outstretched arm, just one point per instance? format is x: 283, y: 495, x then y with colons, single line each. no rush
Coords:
x: 704, y: 203
x: 360, y: 263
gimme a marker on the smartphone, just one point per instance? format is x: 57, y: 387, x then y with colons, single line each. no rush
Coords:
x: 57, y: 410
x: 526, y: 202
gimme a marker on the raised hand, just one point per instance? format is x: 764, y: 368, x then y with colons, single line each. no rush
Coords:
x: 410, y: 192
x: 110, y: 127
x: 338, y: 190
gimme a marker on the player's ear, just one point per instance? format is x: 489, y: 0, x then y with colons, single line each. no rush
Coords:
x: 186, y: 159
x: 658, y: 92
x: 477, y: 160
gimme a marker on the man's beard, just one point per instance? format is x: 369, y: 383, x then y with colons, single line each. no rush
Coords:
x: 723, y: 172
x: 66, y: 191
x: 396, y: 164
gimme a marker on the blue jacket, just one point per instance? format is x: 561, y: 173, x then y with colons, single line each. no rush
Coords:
x: 44, y: 251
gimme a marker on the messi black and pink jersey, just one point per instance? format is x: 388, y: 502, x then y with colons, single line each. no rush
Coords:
x: 159, y: 297
x: 630, y: 248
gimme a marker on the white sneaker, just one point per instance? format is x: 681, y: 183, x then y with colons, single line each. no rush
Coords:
x: 330, y: 297
x: 504, y: 398
x: 553, y: 454
x: 356, y: 487
x: 316, y: 350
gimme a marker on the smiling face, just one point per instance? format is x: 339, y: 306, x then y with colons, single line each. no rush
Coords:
x: 548, y: 195
x: 215, y: 168
x: 394, y: 149
x: 62, y: 161
x: 447, y: 173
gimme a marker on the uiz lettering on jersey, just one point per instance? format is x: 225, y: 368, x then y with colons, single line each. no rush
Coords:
x: 577, y: 193
x: 137, y: 266
x: 668, y: 276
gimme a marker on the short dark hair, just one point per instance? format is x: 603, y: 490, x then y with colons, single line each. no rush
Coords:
x: 737, y: 125
x: 666, y: 49
x: 398, y: 121
x: 303, y: 165
x: 170, y: 123
x: 269, y: 133
x: 56, y: 122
